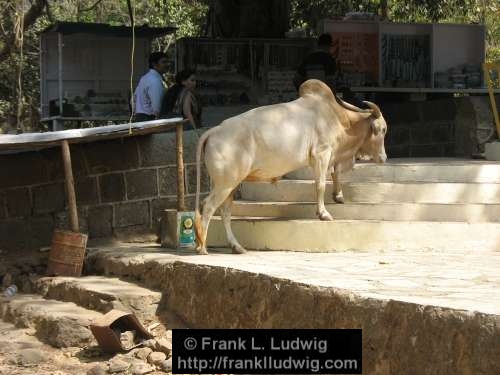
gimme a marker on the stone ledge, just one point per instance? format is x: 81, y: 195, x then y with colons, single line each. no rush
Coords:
x: 281, y: 291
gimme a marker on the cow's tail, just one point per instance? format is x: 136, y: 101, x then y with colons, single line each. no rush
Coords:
x: 197, y: 216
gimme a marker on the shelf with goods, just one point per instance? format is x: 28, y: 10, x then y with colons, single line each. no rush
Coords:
x: 245, y: 70
x: 409, y: 55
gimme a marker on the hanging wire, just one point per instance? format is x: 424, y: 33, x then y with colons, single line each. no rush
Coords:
x: 19, y: 35
x: 131, y: 9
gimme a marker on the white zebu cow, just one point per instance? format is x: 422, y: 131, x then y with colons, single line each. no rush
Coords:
x: 265, y: 143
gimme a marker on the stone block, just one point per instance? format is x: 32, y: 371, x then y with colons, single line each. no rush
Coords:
x: 52, y: 159
x: 18, y: 202
x: 41, y: 229
x: 86, y: 191
x: 3, y: 208
x: 160, y: 149
x: 443, y: 133
x: 191, y: 179
x: 114, y: 155
x: 14, y: 234
x: 401, y: 112
x: 168, y: 181
x: 464, y: 123
x: 112, y: 187
x: 100, y: 221
x: 398, y: 152
x: 62, y: 221
x: 22, y: 169
x: 157, y: 207
x: 132, y: 213
x: 439, y: 110
x: 427, y: 151
x: 421, y: 135
x: 48, y: 198
x: 399, y: 135
x: 141, y: 184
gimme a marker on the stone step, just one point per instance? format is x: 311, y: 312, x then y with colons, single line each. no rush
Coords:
x: 339, y: 235
x: 101, y: 294
x: 471, y: 213
x: 370, y: 192
x: 417, y: 170
x: 60, y: 324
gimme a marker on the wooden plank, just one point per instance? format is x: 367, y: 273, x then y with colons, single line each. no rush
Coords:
x: 33, y: 141
x: 70, y: 186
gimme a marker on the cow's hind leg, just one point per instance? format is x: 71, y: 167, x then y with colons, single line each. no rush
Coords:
x: 226, y: 218
x: 320, y: 170
x: 210, y: 204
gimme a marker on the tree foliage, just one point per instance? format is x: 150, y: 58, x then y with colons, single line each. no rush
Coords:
x: 191, y: 18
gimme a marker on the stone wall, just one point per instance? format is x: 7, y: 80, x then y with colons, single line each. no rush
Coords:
x: 121, y: 187
x: 438, y: 128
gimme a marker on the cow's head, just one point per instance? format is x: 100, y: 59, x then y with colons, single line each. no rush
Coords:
x: 373, y: 146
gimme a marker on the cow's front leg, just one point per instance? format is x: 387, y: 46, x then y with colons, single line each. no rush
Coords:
x: 338, y: 196
x: 320, y: 170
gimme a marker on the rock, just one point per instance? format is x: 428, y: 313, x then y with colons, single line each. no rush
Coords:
x: 151, y: 343
x: 29, y: 357
x: 118, y: 365
x: 127, y: 339
x: 97, y: 370
x: 142, y: 368
x: 156, y: 358
x: 143, y: 353
x: 165, y: 346
x: 166, y: 365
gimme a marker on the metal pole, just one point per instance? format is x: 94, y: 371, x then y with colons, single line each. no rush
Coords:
x: 60, y: 73
x: 180, y: 168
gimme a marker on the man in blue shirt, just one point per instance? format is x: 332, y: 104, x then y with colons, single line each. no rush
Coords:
x: 149, y: 92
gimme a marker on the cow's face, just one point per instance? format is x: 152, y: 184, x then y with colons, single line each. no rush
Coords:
x: 374, y: 142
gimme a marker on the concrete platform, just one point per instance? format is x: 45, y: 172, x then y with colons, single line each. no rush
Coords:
x: 421, y: 312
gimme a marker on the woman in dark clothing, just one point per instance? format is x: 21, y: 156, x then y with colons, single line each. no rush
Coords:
x: 181, y: 100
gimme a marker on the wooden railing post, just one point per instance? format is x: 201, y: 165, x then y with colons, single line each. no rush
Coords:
x: 70, y: 187
x: 180, y: 168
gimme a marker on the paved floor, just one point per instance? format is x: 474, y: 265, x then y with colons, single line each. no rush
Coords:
x: 459, y: 280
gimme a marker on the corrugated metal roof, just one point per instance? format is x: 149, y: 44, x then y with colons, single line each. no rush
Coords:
x: 143, y: 31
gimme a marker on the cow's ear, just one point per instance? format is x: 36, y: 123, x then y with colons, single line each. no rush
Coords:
x: 375, y: 109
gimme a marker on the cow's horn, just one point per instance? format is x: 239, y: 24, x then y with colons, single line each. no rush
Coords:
x: 351, y: 107
x: 375, y: 109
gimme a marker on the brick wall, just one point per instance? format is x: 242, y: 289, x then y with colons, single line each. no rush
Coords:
x: 121, y: 187
x: 438, y: 128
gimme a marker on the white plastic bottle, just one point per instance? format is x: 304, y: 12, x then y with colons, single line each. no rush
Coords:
x: 10, y: 291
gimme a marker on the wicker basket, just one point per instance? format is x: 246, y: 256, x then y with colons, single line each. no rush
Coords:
x: 67, y: 253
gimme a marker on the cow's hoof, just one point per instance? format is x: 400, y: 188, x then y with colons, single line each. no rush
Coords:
x: 325, y: 216
x: 201, y: 251
x: 238, y: 249
x: 338, y: 199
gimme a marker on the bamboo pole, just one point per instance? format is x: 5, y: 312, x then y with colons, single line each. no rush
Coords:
x: 70, y: 187
x: 486, y: 68
x: 180, y: 168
